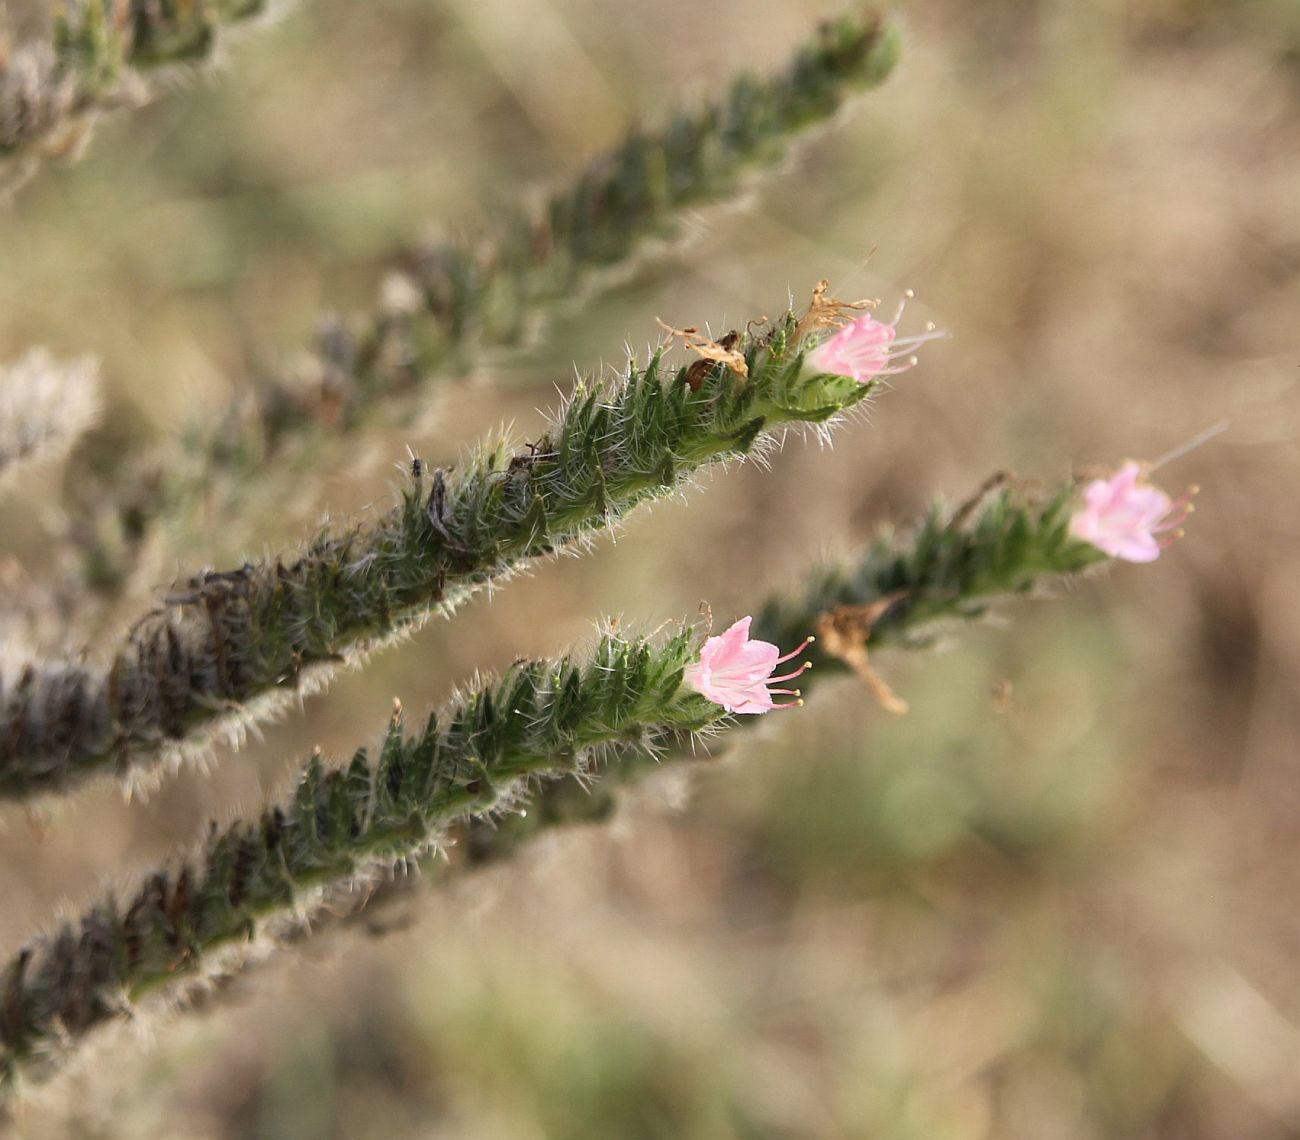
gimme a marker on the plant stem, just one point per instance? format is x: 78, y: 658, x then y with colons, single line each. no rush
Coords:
x: 451, y: 301
x: 465, y: 774
x: 240, y: 642
x: 344, y: 825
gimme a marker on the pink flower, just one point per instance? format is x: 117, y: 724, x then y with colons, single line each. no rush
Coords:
x: 867, y: 348
x: 735, y: 672
x: 1127, y: 517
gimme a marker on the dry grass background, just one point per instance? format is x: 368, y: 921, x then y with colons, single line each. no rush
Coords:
x: 1070, y: 916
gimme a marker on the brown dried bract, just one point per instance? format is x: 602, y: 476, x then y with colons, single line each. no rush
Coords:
x: 844, y: 632
x: 712, y: 351
x: 698, y: 372
x: 827, y: 312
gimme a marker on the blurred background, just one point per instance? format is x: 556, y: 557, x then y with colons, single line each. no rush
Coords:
x: 1057, y: 899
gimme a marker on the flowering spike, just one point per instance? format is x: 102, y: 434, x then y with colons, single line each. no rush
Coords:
x: 1129, y: 518
x: 867, y: 348
x: 736, y: 672
x: 289, y: 863
x: 242, y: 638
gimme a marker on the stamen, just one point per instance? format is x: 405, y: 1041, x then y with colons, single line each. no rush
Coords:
x: 807, y: 641
x: 1178, y: 511
x: 907, y: 365
x: 790, y: 676
x: 908, y: 294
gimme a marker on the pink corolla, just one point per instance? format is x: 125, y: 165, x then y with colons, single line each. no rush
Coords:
x: 736, y: 672
x: 867, y: 348
x: 1127, y: 517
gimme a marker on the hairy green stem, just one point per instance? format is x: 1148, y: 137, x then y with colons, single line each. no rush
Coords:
x: 447, y: 302
x: 949, y: 569
x: 451, y: 297
x: 348, y: 824
x: 1002, y: 543
x: 217, y: 654
x: 465, y: 775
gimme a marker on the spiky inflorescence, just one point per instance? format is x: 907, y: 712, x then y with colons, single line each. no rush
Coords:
x: 343, y: 826
x: 50, y: 92
x: 239, y: 639
x: 951, y: 568
x: 490, y: 291
x: 45, y: 407
x: 548, y: 722
x: 453, y: 299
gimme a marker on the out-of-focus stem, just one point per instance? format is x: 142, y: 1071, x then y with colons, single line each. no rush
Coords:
x: 98, y: 59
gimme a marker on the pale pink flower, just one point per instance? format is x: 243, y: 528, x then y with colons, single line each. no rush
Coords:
x: 736, y: 673
x: 867, y: 348
x: 1127, y: 517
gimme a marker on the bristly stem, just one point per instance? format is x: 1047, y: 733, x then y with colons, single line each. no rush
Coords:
x: 449, y: 302
x: 548, y: 722
x: 236, y: 640
x: 950, y: 568
x: 345, y: 825
x: 453, y: 297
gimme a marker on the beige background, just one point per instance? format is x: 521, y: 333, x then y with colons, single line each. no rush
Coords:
x: 1072, y: 917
